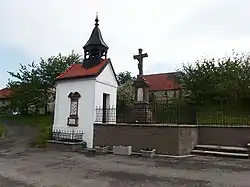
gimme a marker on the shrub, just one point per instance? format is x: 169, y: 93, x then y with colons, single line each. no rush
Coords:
x: 2, y: 130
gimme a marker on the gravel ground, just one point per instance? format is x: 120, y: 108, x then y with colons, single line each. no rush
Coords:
x: 22, y: 167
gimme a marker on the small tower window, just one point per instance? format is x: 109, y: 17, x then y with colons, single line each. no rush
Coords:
x: 74, y: 102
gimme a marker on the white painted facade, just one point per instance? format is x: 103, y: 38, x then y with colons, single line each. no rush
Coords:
x: 91, y: 91
x: 106, y: 83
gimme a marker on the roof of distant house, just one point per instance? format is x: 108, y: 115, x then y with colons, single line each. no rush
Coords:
x: 78, y: 71
x: 162, y: 82
x: 4, y: 93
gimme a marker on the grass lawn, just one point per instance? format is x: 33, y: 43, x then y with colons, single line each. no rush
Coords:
x: 219, y: 118
x: 35, y: 120
x: 42, y: 126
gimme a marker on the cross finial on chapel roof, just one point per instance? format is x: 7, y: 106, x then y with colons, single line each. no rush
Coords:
x: 96, y: 19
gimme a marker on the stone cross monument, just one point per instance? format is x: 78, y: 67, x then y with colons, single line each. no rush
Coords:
x: 140, y: 57
x: 141, y: 110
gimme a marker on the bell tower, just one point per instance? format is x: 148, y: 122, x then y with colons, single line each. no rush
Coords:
x: 95, y: 50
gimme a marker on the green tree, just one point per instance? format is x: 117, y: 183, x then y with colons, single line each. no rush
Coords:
x: 25, y: 89
x: 49, y: 69
x: 125, y: 91
x: 125, y: 95
x: 220, y: 82
x: 124, y: 77
x: 33, y: 85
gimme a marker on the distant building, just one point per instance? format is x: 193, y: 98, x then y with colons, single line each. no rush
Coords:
x: 4, y: 97
x: 163, y: 86
x: 5, y: 101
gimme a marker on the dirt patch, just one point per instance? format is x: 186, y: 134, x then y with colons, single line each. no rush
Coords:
x: 132, y: 179
x: 191, y: 164
x: 11, y: 183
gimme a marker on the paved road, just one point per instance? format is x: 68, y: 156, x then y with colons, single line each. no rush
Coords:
x: 24, y: 167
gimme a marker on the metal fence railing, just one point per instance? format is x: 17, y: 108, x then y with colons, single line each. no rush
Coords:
x: 67, y: 136
x: 222, y: 118
x: 152, y: 114
x: 171, y: 114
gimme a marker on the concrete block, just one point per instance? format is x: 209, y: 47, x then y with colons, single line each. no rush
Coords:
x: 122, y: 150
x: 148, y: 153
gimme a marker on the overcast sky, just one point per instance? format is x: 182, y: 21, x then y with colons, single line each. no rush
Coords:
x: 172, y: 32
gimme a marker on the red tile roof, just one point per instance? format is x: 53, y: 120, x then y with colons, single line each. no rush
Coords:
x: 78, y: 71
x: 4, y: 93
x: 162, y: 82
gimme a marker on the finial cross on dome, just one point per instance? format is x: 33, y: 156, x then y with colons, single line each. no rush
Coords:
x: 96, y: 19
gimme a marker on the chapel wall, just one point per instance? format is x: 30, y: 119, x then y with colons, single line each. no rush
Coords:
x: 107, y: 77
x: 86, y: 108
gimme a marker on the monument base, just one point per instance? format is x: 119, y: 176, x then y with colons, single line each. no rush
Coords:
x: 142, y: 113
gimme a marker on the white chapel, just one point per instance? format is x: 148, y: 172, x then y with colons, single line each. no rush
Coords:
x: 83, y: 87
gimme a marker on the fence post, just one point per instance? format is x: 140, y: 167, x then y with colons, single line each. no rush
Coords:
x: 72, y: 135
x: 177, y: 114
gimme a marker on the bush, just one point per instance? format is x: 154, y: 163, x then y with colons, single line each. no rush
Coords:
x: 42, y: 136
x: 2, y: 130
x: 43, y: 128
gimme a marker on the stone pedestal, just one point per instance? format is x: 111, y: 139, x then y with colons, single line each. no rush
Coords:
x: 141, y: 89
x: 141, y: 109
x: 142, y: 113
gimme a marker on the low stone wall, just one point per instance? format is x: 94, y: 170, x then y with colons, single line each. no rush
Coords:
x: 63, y: 146
x: 224, y: 135
x: 166, y: 139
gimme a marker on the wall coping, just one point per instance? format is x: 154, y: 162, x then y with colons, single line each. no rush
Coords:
x: 225, y: 126
x: 172, y: 125
x: 145, y: 125
x: 64, y: 143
